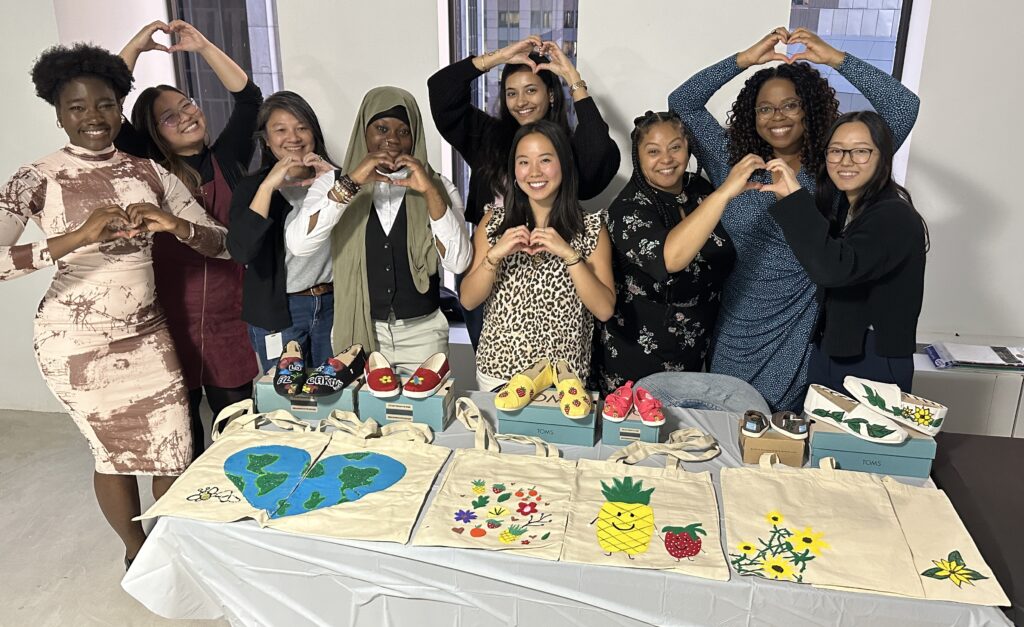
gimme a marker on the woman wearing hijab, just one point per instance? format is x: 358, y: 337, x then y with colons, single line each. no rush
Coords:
x: 393, y: 223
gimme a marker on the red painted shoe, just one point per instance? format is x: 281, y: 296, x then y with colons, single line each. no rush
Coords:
x: 381, y: 377
x: 428, y: 378
x: 619, y: 403
x: 648, y: 407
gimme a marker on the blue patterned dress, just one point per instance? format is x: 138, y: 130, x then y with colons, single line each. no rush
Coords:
x: 768, y: 306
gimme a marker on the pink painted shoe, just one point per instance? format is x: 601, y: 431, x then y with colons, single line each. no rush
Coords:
x: 648, y: 407
x: 619, y: 403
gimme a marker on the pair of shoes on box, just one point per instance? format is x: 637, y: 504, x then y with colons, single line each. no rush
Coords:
x: 879, y: 413
x: 424, y: 383
x: 330, y: 377
x: 522, y: 388
x: 789, y: 424
x: 619, y: 403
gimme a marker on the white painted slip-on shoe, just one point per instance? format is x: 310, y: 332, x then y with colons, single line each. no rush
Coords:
x: 886, y: 399
x: 843, y: 412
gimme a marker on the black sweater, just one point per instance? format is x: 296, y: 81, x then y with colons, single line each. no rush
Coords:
x: 871, y: 274
x: 465, y: 127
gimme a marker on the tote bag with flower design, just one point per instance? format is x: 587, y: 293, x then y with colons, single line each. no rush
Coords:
x: 499, y: 502
x: 644, y: 517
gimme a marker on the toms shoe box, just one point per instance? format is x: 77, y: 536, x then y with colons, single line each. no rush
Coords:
x: 790, y: 451
x: 544, y: 419
x: 910, y: 458
x: 434, y: 411
x: 303, y: 406
x: 630, y: 430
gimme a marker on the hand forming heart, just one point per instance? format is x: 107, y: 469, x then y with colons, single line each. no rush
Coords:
x: 816, y: 50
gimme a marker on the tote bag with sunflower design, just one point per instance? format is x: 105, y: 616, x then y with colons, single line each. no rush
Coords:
x: 645, y: 517
x: 500, y: 502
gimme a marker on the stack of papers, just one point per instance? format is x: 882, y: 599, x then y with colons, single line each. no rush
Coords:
x: 948, y: 355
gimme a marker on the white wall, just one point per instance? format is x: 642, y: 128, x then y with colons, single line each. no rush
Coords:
x: 332, y: 53
x: 965, y: 169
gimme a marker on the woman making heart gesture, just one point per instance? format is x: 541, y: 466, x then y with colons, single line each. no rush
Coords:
x: 782, y: 112
x: 530, y: 89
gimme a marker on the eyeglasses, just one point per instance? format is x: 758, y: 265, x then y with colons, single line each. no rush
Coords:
x: 171, y: 118
x: 859, y: 156
x: 790, y: 109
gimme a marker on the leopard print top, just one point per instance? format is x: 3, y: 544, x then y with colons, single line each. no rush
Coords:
x: 533, y: 310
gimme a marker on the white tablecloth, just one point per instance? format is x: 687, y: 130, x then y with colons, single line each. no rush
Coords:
x: 253, y: 576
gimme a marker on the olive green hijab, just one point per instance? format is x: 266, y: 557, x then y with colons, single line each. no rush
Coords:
x: 352, y: 322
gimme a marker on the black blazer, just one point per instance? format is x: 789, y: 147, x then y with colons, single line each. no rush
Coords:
x: 870, y: 274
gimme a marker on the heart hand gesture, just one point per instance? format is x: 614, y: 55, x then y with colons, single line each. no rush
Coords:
x: 146, y: 217
x: 189, y: 39
x: 512, y: 241
x: 764, y: 50
x: 738, y: 180
x: 785, y: 182
x: 143, y: 40
x: 547, y: 239
x: 817, y: 50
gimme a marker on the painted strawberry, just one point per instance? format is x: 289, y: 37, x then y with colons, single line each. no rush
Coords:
x: 498, y: 488
x: 683, y: 542
x: 573, y: 391
x: 560, y: 395
x: 521, y: 392
x: 566, y: 409
x: 576, y: 402
x: 503, y: 395
x: 493, y: 524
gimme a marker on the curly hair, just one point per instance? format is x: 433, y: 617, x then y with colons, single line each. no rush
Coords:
x: 820, y: 106
x: 669, y: 215
x: 58, y: 65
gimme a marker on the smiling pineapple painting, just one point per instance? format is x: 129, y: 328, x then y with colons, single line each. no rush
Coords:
x: 626, y: 521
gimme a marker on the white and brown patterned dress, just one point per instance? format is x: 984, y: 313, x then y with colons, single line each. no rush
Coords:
x: 101, y: 338
x: 534, y: 311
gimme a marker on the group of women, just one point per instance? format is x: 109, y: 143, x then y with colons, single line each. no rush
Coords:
x: 796, y: 259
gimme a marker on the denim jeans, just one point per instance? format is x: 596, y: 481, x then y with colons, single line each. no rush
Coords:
x: 312, y: 320
x: 704, y: 390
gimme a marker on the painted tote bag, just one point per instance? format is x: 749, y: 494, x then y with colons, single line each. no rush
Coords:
x: 643, y: 517
x: 945, y: 557
x: 369, y: 483
x: 254, y: 464
x: 500, y: 502
x: 816, y: 525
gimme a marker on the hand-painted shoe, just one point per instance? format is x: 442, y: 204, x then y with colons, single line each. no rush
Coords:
x: 791, y: 425
x: 334, y: 374
x: 886, y: 399
x: 648, y: 407
x: 381, y: 379
x: 755, y: 424
x: 573, y: 399
x: 524, y: 386
x: 428, y: 378
x: 841, y: 411
x: 619, y: 403
x: 290, y: 373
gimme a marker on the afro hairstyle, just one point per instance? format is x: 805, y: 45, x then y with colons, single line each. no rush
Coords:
x: 58, y: 65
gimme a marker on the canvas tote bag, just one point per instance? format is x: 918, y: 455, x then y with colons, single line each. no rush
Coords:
x: 643, y: 517
x: 499, y: 502
x: 816, y: 525
x: 369, y: 483
x: 248, y: 471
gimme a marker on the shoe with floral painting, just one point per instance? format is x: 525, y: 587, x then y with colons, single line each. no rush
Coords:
x: 381, y: 379
x: 428, y: 378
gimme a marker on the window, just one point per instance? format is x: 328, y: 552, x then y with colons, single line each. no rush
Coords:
x: 872, y: 30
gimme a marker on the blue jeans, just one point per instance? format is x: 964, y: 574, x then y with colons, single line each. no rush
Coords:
x: 704, y: 390
x: 312, y: 320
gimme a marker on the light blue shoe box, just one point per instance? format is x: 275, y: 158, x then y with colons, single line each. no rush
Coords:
x: 630, y: 430
x: 302, y: 406
x: 542, y: 418
x: 436, y: 411
x: 910, y: 458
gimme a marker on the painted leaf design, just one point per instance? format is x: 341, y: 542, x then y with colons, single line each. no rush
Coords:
x: 258, y: 462
x: 956, y: 558
x: 314, y: 500
x: 934, y: 573
x: 546, y: 536
x: 937, y: 423
x: 482, y: 501
x: 878, y: 431
x: 973, y: 574
x: 855, y: 423
x: 355, y: 456
x: 834, y: 415
x: 504, y: 497
x: 874, y: 399
x: 238, y: 481
x: 268, y: 481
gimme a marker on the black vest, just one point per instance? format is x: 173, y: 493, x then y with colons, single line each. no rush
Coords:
x: 388, y: 275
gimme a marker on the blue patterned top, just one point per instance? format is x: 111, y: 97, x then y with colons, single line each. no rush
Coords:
x: 768, y: 307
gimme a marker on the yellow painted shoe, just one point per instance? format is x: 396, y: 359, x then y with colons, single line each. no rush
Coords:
x: 572, y: 396
x: 523, y: 387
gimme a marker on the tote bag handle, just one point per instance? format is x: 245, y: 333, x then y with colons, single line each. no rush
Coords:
x: 240, y: 416
x: 469, y: 415
x: 687, y: 445
x: 768, y: 460
x: 348, y: 422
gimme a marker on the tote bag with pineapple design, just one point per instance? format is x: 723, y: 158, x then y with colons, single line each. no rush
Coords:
x: 644, y: 517
x: 499, y: 502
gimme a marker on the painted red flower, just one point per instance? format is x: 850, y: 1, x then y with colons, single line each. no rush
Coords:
x: 525, y: 509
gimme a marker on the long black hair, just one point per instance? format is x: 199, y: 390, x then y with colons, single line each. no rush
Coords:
x: 817, y: 98
x: 669, y: 215
x: 296, y: 105
x: 566, y: 214
x: 143, y: 118
x: 880, y: 183
x: 497, y: 144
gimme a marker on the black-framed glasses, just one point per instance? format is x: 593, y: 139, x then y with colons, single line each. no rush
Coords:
x: 860, y: 156
x: 790, y: 109
x: 171, y: 118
